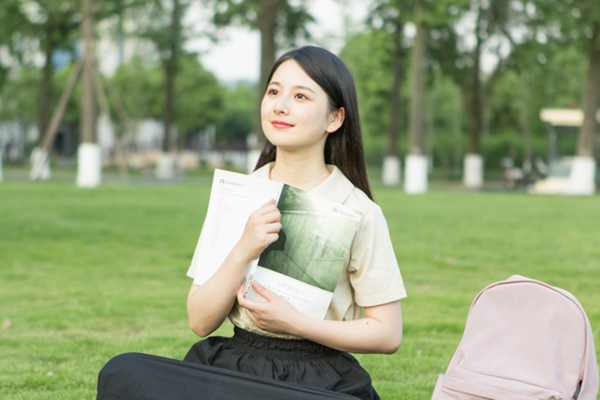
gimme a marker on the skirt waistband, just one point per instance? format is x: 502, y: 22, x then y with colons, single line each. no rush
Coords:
x: 250, y: 341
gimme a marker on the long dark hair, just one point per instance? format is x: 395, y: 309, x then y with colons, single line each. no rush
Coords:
x: 344, y: 147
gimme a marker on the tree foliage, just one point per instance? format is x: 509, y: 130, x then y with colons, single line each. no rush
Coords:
x: 459, y: 48
x: 368, y: 56
x: 164, y: 29
x: 390, y: 16
x: 577, y: 22
x: 140, y: 89
x: 543, y: 52
x: 12, y: 23
x: 238, y: 116
x: 29, y: 28
x: 280, y: 23
x: 20, y: 96
x: 199, y: 94
x: 290, y: 22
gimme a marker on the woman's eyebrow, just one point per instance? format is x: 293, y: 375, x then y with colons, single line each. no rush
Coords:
x: 295, y: 87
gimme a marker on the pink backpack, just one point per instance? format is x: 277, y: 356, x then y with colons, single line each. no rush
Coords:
x: 523, y: 340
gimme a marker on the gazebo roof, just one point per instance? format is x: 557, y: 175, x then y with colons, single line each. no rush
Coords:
x: 564, y: 116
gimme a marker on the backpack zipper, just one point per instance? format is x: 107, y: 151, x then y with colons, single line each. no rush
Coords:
x: 576, y: 395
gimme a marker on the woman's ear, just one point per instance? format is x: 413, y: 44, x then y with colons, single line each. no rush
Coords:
x: 337, y: 120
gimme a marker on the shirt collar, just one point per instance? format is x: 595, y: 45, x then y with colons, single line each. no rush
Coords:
x: 335, y: 188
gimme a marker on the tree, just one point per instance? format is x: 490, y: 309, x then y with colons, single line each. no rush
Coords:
x: 200, y: 95
x: 369, y: 57
x: 47, y: 27
x: 164, y: 29
x: 460, y: 56
x: 19, y: 96
x: 416, y: 161
x: 279, y: 22
x: 56, y: 24
x: 13, y: 23
x: 19, y: 102
x: 171, y: 62
x: 390, y: 17
x: 443, y: 116
x: 141, y: 89
x: 422, y: 15
x: 238, y: 116
x: 417, y: 87
x: 579, y: 22
x: 564, y: 65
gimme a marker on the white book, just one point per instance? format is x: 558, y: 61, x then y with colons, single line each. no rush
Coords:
x: 304, y: 265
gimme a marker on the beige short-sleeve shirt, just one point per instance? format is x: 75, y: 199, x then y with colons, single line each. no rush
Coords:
x: 371, y: 276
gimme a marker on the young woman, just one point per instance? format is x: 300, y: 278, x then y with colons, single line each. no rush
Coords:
x: 310, y: 118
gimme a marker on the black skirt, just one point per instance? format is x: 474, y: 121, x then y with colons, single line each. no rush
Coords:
x: 295, y: 361
x: 246, y: 366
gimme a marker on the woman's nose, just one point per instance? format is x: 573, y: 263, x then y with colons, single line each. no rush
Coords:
x: 281, y: 105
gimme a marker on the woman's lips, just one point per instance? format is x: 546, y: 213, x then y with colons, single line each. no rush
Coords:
x: 281, y: 124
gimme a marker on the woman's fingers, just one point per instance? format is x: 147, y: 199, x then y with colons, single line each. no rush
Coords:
x: 261, y: 230
x: 267, y: 217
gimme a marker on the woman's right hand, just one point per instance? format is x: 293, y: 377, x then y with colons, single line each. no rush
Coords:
x: 208, y: 304
x: 261, y: 230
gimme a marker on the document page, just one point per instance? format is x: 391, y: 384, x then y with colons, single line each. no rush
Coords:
x: 233, y: 198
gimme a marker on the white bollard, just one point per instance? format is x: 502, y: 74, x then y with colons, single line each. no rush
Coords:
x: 582, y: 178
x: 89, y: 165
x: 415, y: 175
x: 165, y: 167
x: 38, y: 170
x: 473, y: 171
x: 391, y: 170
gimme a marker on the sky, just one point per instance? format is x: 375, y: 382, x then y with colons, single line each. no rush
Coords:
x: 236, y: 56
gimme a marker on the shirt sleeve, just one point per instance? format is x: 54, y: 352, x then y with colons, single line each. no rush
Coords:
x: 373, y: 270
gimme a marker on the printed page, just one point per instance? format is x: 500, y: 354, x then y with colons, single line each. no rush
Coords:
x: 233, y: 198
x: 305, y: 298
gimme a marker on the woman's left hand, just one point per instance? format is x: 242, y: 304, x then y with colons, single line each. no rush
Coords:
x: 379, y: 331
x: 275, y: 315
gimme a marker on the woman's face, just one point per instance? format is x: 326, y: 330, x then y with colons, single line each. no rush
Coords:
x: 295, y: 111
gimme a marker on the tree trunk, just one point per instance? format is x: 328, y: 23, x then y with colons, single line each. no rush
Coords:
x: 396, y: 93
x: 266, y: 23
x: 417, y: 85
x: 583, y: 171
x: 88, y: 103
x: 487, y: 93
x: 391, y: 162
x: 474, y: 118
x: 415, y: 181
x: 457, y: 135
x: 89, y: 153
x: 587, y: 132
x: 46, y: 88
x: 526, y: 124
x: 473, y: 121
x: 170, y: 66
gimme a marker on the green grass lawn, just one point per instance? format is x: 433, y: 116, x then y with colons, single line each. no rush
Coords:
x: 86, y: 274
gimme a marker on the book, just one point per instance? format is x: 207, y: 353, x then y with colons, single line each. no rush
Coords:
x: 304, y: 265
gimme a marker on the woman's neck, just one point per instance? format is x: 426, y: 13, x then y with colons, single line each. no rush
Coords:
x: 303, y: 173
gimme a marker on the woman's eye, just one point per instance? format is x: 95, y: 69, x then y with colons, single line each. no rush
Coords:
x: 301, y: 96
x: 272, y: 91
